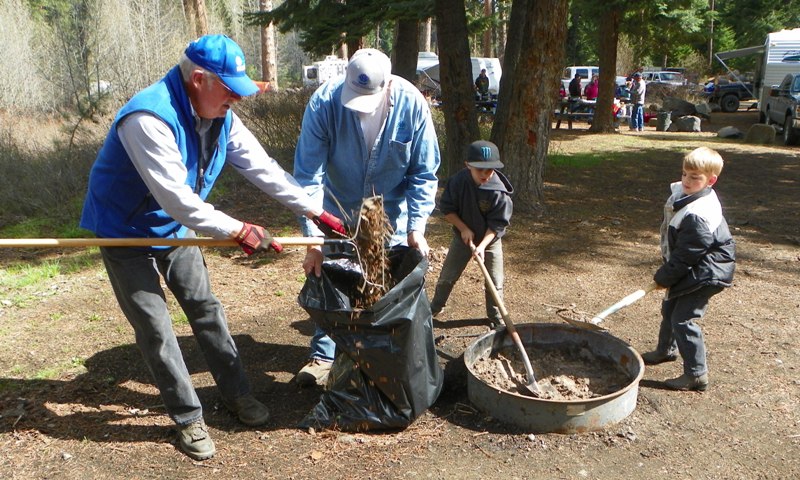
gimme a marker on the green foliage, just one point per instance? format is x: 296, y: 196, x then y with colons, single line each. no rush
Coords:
x: 324, y: 25
x: 33, y: 274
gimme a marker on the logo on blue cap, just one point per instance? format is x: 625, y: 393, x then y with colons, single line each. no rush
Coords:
x: 486, y: 152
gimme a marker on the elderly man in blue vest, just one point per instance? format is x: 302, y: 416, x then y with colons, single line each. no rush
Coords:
x: 161, y: 158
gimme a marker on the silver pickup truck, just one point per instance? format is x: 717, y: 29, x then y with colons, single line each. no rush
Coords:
x: 783, y: 107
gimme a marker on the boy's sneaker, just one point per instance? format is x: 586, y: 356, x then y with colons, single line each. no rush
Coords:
x: 685, y: 382
x: 250, y: 411
x: 656, y: 357
x: 437, y: 313
x: 314, y: 373
x: 195, y: 440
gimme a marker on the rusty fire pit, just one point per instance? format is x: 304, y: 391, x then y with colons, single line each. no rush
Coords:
x: 611, y: 404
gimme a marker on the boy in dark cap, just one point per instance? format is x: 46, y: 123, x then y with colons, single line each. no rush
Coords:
x: 477, y: 202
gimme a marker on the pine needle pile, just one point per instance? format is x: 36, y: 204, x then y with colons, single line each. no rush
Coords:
x: 374, y: 231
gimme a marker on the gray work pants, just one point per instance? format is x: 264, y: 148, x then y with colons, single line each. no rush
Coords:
x: 457, y: 259
x: 135, y: 276
x: 680, y: 331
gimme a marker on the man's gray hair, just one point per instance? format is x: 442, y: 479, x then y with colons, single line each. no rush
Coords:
x: 187, y: 67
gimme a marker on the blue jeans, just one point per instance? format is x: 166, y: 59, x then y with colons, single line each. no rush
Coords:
x: 135, y: 276
x: 680, y: 331
x: 637, y: 116
x: 456, y: 261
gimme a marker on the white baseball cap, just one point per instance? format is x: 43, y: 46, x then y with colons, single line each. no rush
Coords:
x: 365, y: 81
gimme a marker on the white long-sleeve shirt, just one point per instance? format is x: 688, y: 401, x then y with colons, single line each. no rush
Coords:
x: 154, y: 152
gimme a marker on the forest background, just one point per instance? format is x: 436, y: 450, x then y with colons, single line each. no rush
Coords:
x: 72, y: 63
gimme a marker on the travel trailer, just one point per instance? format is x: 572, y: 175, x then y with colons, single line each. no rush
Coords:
x: 428, y: 71
x: 779, y: 56
x: 324, y: 70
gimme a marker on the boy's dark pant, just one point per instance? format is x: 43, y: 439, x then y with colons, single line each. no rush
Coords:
x: 457, y: 259
x: 680, y: 330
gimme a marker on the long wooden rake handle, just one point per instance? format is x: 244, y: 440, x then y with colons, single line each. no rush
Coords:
x: 152, y: 242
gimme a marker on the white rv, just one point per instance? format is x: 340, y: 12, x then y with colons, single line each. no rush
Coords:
x: 324, y: 70
x: 780, y: 55
x: 428, y: 71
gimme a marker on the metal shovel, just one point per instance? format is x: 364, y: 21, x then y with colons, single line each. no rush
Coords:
x: 531, y: 386
x: 594, y: 322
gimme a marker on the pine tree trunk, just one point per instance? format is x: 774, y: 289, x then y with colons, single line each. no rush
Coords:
x: 269, y: 64
x: 525, y: 142
x: 404, y: 62
x: 516, y: 32
x: 603, y: 120
x: 455, y: 73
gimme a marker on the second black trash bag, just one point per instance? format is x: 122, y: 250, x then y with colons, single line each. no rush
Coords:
x: 386, y: 372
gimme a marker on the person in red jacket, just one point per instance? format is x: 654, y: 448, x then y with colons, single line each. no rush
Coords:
x: 590, y: 92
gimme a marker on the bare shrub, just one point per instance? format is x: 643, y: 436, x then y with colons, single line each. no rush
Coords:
x: 22, y: 86
x: 48, y: 184
x: 275, y: 118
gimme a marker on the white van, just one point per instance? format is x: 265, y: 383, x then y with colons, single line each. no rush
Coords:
x: 586, y: 73
x: 586, y: 76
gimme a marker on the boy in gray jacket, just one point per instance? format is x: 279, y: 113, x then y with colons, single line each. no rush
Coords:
x: 699, y: 261
x: 477, y: 202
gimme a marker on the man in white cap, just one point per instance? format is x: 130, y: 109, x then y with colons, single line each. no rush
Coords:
x: 369, y: 132
x: 151, y: 178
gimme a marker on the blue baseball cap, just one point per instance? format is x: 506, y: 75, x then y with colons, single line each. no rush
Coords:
x: 223, y: 57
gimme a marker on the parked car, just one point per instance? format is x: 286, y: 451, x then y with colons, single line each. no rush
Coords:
x: 586, y: 73
x: 664, y: 77
x: 728, y: 95
x: 783, y: 107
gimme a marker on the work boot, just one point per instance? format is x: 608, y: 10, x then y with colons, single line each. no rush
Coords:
x: 655, y: 357
x: 195, y: 440
x: 250, y: 411
x: 685, y: 382
x: 314, y: 373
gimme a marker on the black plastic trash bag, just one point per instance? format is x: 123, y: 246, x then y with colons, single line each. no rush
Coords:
x: 386, y: 372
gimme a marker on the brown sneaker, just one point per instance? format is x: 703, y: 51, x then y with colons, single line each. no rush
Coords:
x: 685, y: 383
x: 195, y: 440
x: 250, y: 411
x: 655, y: 357
x: 315, y: 372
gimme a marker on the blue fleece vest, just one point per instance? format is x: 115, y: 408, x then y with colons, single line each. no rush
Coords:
x: 118, y: 203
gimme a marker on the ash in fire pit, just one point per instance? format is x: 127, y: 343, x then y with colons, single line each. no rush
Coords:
x: 573, y: 370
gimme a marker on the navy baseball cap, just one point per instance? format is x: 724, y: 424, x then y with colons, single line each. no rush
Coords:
x: 483, y: 154
x: 220, y: 55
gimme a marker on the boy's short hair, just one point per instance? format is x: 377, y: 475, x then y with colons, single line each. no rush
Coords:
x: 705, y: 160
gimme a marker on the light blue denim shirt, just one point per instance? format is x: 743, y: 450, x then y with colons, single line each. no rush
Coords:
x: 332, y: 161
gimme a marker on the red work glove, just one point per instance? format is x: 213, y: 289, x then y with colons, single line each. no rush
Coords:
x: 253, y: 238
x: 329, y: 224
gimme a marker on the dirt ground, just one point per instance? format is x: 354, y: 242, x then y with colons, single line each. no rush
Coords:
x: 76, y: 401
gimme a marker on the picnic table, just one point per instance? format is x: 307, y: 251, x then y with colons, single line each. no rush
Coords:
x: 573, y: 109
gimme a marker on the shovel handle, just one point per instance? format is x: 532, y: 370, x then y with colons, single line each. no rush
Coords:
x: 153, y: 242
x: 628, y: 300
x: 512, y: 331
